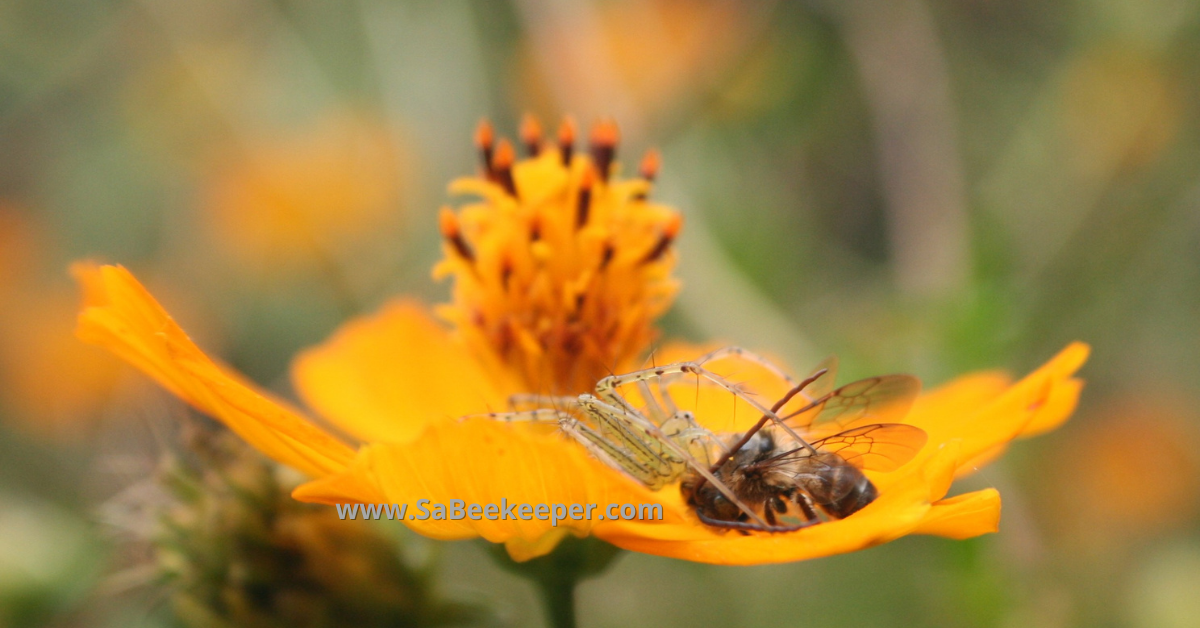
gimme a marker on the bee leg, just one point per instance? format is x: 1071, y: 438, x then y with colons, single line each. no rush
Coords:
x: 744, y: 518
x: 778, y: 504
x: 801, y: 500
x: 769, y: 515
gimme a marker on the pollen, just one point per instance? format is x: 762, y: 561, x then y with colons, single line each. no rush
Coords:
x: 561, y: 268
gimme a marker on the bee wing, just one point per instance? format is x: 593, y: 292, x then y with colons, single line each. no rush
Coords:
x: 884, y: 399
x: 877, y: 447
x: 823, y: 385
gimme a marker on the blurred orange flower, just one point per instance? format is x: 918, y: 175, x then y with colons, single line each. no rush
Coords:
x: 48, y: 381
x: 292, y: 200
x: 1135, y: 468
x: 560, y: 270
x: 658, y: 52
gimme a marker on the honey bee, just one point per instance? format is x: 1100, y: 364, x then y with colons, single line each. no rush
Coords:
x: 802, y: 463
x: 847, y: 431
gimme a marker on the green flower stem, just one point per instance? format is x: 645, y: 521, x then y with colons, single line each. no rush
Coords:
x: 557, y: 573
x: 558, y: 594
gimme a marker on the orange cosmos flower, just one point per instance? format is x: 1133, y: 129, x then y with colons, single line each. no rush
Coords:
x: 560, y: 272
x: 322, y: 190
x: 1132, y: 470
x: 50, y: 384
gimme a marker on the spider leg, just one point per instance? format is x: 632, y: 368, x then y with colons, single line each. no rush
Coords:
x: 537, y: 415
x: 542, y: 401
x: 614, y: 455
x: 606, y: 389
x: 749, y: 356
x: 631, y: 430
x: 656, y: 411
x: 609, y: 414
x: 828, y: 364
x: 668, y: 402
x: 600, y: 446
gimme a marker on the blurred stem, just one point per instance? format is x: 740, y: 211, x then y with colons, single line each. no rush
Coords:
x: 557, y: 573
x: 558, y: 594
x: 907, y: 85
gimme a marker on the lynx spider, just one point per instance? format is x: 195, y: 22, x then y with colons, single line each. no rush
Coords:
x: 656, y: 445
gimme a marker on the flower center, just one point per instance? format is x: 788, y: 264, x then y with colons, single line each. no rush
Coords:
x: 561, y: 269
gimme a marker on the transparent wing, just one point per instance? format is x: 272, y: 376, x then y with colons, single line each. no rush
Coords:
x: 878, y: 447
x: 884, y: 399
x: 824, y: 384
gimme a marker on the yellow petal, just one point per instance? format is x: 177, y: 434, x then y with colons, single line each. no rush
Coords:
x: 963, y: 411
x: 480, y: 461
x: 1059, y: 405
x: 483, y: 461
x: 384, y: 377
x: 964, y: 516
x: 121, y: 316
x: 355, y: 484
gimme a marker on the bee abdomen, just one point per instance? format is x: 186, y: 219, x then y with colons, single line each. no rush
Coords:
x: 848, y: 492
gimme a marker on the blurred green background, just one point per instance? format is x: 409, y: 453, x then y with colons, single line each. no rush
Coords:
x: 923, y: 186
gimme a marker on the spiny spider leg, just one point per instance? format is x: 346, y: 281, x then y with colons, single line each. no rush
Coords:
x: 611, y: 453
x: 552, y: 401
x: 593, y: 441
x: 759, y: 360
x: 656, y: 412
x: 606, y: 389
x: 748, y: 356
x: 536, y: 415
x: 616, y: 423
x: 668, y: 402
x: 605, y: 413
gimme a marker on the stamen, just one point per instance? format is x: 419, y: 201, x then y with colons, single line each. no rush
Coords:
x: 670, y: 230
x: 502, y: 165
x: 506, y: 271
x: 606, y: 257
x: 604, y: 147
x: 648, y: 170
x: 485, y: 138
x: 651, y: 162
x: 531, y: 134
x: 584, y: 204
x: 566, y: 140
x: 452, y: 232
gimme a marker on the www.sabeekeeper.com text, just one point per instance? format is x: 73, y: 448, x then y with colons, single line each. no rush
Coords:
x: 457, y: 510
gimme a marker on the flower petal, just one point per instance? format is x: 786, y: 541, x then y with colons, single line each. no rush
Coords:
x: 121, y: 316
x: 383, y: 377
x: 354, y: 485
x: 480, y: 461
x: 963, y: 517
x: 1040, y: 401
x: 483, y: 461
